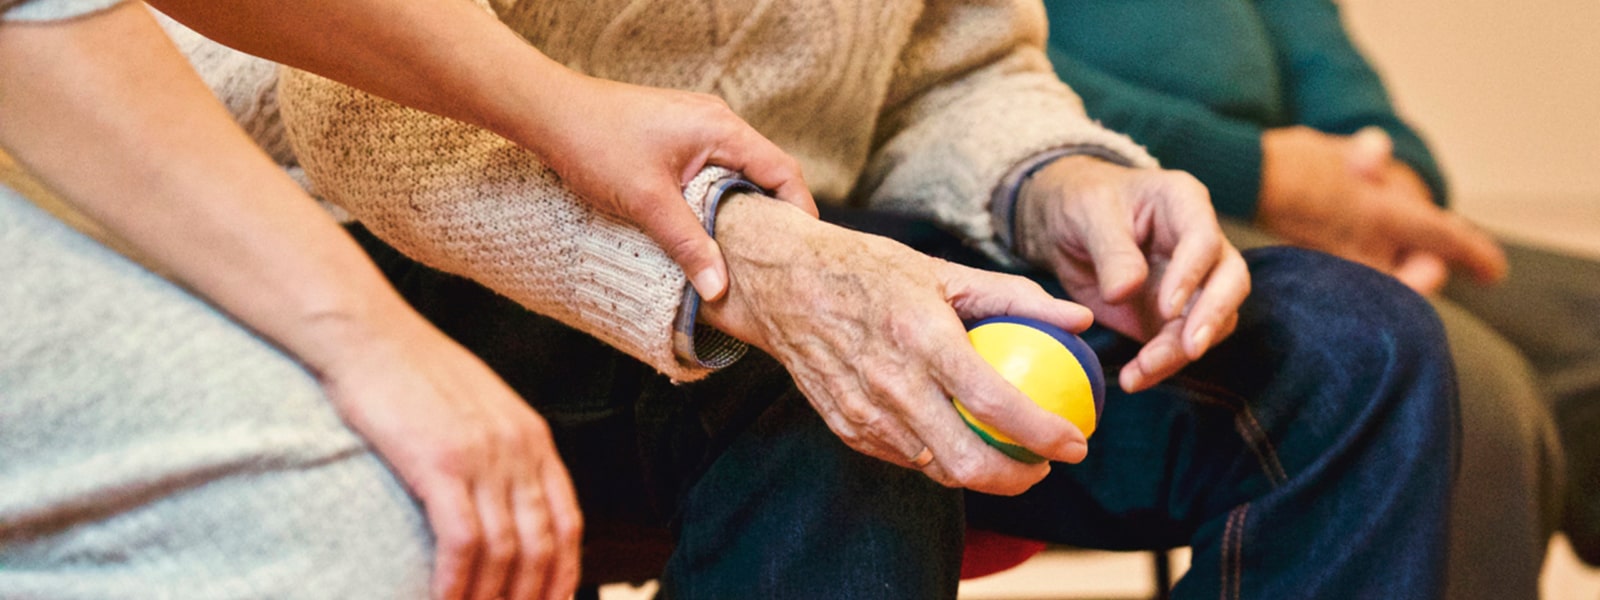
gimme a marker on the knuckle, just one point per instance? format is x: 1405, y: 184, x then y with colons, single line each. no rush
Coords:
x: 569, y: 532
x: 500, y: 544
x: 510, y: 433
x: 964, y: 470
x: 682, y: 249
x: 858, y: 414
x: 910, y: 329
x: 541, y: 552
x: 853, y: 438
x: 461, y: 542
x: 876, y: 426
x: 461, y: 453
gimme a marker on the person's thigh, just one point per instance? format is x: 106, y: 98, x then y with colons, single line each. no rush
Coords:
x: 1508, y: 494
x: 1549, y: 309
x: 1324, y: 424
x: 735, y: 475
x: 155, y: 449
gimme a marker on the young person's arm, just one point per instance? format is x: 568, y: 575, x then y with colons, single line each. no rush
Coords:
x: 453, y: 58
x: 104, y: 111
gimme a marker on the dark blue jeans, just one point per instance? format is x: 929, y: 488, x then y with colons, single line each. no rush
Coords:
x: 1308, y: 456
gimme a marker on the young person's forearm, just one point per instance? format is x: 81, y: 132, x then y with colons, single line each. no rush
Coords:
x: 105, y: 112
x: 450, y: 57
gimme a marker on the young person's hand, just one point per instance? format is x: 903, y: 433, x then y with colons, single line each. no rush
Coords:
x: 629, y: 150
x: 498, y: 498
x: 1143, y: 250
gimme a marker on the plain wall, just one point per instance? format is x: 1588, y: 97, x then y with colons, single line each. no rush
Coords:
x: 1508, y: 93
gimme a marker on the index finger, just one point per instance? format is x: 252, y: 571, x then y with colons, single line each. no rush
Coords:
x: 1456, y: 240
x: 1218, y: 301
x: 995, y: 402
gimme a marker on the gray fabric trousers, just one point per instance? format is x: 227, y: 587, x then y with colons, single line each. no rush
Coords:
x: 1509, y: 492
x: 1549, y: 310
x: 151, y: 448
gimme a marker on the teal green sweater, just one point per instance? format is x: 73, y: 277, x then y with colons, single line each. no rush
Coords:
x: 1197, y: 81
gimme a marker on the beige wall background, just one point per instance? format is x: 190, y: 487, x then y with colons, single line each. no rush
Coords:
x: 1509, y: 95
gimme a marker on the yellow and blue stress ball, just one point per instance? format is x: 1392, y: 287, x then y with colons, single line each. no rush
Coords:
x: 1055, y: 368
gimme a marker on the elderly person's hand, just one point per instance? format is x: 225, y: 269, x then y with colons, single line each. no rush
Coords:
x: 1348, y: 196
x: 1140, y: 247
x: 872, y: 332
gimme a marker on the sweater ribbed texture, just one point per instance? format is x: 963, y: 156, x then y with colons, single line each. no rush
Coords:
x: 918, y: 107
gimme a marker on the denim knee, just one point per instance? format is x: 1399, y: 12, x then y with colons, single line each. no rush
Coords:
x: 1358, y: 341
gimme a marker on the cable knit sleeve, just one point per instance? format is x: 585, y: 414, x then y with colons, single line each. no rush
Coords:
x: 973, y: 98
x: 466, y: 201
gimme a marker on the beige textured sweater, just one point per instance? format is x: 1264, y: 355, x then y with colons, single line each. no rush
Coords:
x: 917, y: 107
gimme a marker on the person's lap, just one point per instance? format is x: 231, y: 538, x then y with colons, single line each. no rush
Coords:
x: 1548, y: 309
x: 743, y: 487
x: 153, y: 448
x: 1255, y: 454
x: 1509, y: 491
x: 736, y: 472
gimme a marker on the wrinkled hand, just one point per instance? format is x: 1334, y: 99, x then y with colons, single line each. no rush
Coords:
x: 630, y: 150
x: 872, y: 332
x: 1143, y: 250
x: 1348, y: 196
x: 503, y: 511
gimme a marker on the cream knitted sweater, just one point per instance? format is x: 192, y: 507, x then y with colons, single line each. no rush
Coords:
x: 917, y: 107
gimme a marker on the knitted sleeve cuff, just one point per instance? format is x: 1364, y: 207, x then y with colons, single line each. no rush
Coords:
x: 708, y: 347
x: 1003, y: 206
x: 947, y: 164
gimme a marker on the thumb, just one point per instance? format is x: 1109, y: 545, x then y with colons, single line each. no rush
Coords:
x: 768, y: 166
x: 1368, y: 151
x: 674, y: 227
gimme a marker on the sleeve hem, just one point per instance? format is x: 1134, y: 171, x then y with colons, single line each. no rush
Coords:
x: 1003, y: 206
x: 708, y: 348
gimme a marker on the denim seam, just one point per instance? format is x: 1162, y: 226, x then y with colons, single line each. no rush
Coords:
x: 1255, y: 437
x: 1232, y: 563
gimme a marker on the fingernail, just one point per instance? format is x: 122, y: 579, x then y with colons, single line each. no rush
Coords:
x: 1129, y: 378
x: 1200, y: 341
x: 1077, y: 451
x: 709, y: 283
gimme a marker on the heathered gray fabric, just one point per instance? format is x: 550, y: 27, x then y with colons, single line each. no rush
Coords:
x: 151, y: 448
x: 51, y: 10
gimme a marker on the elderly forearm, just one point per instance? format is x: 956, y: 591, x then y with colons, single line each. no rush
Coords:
x: 104, y: 111
x: 449, y: 57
